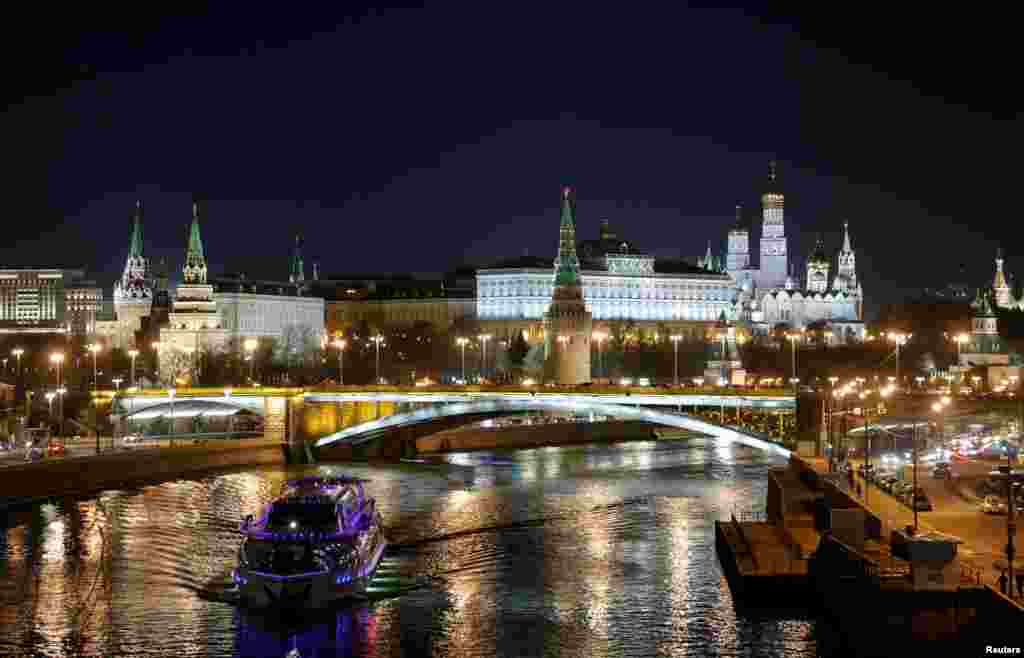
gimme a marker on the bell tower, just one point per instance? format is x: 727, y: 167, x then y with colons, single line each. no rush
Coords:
x: 773, y: 234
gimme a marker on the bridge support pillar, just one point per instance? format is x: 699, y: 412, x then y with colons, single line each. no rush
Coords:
x: 296, y: 449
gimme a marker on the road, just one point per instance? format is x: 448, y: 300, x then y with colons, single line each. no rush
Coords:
x: 984, y: 535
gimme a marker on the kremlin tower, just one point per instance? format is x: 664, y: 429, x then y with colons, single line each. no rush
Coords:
x: 567, y: 322
x: 133, y: 293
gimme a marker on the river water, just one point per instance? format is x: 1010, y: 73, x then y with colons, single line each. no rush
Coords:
x: 579, y: 551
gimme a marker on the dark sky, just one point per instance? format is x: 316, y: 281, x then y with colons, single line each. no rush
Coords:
x: 402, y: 140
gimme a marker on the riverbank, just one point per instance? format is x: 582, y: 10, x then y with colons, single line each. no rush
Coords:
x: 24, y: 483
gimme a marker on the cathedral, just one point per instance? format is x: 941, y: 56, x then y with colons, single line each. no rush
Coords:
x: 621, y: 283
x: 1002, y: 291
x: 771, y: 294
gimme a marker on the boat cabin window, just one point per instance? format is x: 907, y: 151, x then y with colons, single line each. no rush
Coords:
x: 286, y: 516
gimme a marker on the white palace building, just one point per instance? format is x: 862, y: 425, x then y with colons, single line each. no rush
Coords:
x: 622, y: 284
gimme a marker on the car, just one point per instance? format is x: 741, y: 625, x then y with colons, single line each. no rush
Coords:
x: 993, y: 505
x: 56, y: 449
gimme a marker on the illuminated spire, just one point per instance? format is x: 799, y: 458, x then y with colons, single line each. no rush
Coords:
x: 846, y: 237
x: 135, y: 248
x: 567, y: 266
x: 195, y: 262
x: 297, y: 273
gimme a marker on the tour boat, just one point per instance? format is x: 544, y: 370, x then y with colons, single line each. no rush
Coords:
x: 319, y: 542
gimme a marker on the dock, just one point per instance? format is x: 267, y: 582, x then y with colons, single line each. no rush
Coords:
x: 817, y: 543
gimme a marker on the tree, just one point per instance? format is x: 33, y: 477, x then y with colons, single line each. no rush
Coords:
x: 517, y: 350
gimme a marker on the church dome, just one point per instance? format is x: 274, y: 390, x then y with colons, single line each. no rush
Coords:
x: 818, y: 256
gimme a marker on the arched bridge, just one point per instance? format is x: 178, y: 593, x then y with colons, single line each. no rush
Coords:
x: 462, y: 412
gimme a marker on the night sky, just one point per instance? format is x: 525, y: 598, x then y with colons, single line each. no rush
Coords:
x: 400, y: 140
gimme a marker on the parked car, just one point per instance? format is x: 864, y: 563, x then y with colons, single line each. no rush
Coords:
x: 56, y: 449
x: 993, y: 505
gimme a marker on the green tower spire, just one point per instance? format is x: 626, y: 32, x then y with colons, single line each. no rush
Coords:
x: 297, y: 271
x: 195, y: 262
x: 567, y: 266
x: 135, y: 248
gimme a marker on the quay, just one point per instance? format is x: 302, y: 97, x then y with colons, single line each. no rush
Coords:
x: 882, y: 589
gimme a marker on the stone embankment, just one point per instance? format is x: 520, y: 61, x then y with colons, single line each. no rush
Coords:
x: 22, y: 483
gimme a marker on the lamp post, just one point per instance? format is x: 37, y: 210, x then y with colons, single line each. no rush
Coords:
x: 170, y: 394
x: 675, y: 338
x: 483, y: 355
x: 250, y: 345
x: 95, y: 349
x: 831, y: 401
x: 117, y: 384
x: 58, y: 359
x: 461, y: 342
x: 960, y: 340
x: 378, y: 339
x: 60, y: 406
x: 792, y: 340
x: 49, y: 400
x: 340, y: 344
x: 133, y: 354
x: 900, y: 340
x: 16, y: 353
x: 599, y: 336
x: 156, y: 358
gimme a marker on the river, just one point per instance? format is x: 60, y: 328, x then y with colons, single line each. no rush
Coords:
x: 578, y: 551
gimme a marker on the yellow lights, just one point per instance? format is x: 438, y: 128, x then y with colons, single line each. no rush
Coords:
x: 483, y: 338
x: 339, y: 343
x: 599, y: 336
x: 133, y: 353
x: 94, y: 348
x: 57, y: 357
x: 832, y: 380
x: 528, y: 382
x: 962, y: 338
x: 17, y: 352
x: 563, y: 339
x: 380, y: 339
x: 458, y: 341
x: 675, y: 338
x: 251, y: 344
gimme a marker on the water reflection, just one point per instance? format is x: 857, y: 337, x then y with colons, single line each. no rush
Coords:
x: 582, y: 551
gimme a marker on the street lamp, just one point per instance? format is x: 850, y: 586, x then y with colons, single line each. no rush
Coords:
x: 117, y: 383
x: 378, y: 339
x: 133, y: 354
x: 599, y: 336
x: 900, y: 340
x: 16, y: 353
x: 792, y: 340
x: 340, y: 344
x: 170, y: 394
x: 675, y: 338
x: 960, y: 340
x: 250, y: 346
x: 95, y: 349
x: 483, y: 355
x: 49, y: 399
x: 919, y: 380
x: 156, y: 358
x: 60, y: 406
x: 461, y: 342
